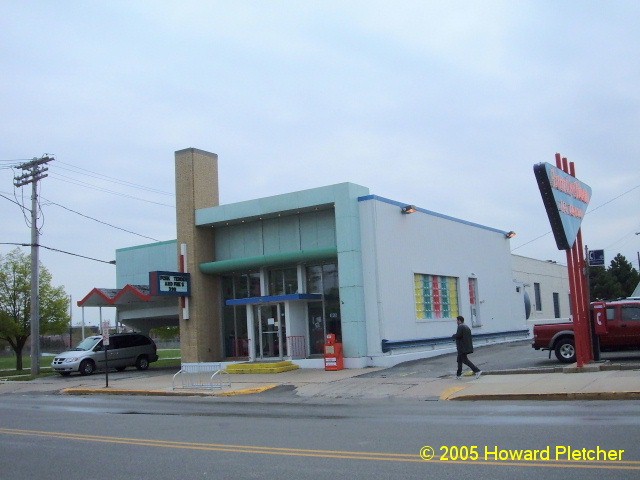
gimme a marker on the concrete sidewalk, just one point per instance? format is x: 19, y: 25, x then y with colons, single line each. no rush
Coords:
x: 593, y: 382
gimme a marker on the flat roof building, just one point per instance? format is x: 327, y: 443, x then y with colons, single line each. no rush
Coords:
x: 271, y: 277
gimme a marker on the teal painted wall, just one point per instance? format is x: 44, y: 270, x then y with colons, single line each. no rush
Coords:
x: 287, y: 234
x: 133, y: 264
x: 289, y: 223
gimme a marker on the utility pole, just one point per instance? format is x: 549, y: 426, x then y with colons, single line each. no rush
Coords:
x: 34, y: 172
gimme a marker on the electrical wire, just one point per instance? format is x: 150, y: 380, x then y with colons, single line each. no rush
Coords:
x: 24, y: 209
x: 111, y: 262
x: 587, y: 213
x: 80, y: 183
x: 97, y: 175
x: 12, y: 201
x: 49, y: 202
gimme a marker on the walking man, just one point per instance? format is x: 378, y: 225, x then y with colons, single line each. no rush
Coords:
x: 464, y: 345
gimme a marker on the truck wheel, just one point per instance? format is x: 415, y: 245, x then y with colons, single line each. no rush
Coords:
x: 565, y: 350
x: 87, y: 367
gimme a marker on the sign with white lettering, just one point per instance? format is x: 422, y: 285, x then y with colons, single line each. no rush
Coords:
x: 170, y: 283
x: 596, y: 258
x: 565, y: 199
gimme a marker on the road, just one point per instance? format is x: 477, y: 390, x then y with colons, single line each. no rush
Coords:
x: 280, y: 435
x: 272, y: 436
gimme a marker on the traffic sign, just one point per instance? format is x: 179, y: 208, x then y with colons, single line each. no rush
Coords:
x: 105, y: 333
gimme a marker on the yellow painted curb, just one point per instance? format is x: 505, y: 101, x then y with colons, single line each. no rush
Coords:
x: 168, y: 393
x: 245, y: 391
x: 450, y: 391
x: 119, y: 391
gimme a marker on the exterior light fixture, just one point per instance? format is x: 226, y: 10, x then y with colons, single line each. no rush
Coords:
x: 510, y: 234
x: 409, y: 209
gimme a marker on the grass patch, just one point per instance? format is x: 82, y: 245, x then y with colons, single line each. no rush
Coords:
x: 169, y: 358
x: 169, y: 353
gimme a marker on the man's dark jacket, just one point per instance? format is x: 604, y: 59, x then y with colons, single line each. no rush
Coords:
x: 464, y: 344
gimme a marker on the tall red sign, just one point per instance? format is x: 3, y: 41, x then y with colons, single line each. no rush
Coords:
x: 566, y: 199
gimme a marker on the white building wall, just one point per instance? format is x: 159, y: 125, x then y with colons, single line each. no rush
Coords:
x: 396, y: 245
x: 552, y: 277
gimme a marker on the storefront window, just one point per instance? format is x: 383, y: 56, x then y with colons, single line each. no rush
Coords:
x: 283, y: 281
x: 324, y: 317
x: 314, y: 279
x: 238, y: 285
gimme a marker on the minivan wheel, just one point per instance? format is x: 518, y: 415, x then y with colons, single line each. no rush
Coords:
x: 142, y: 363
x: 87, y: 367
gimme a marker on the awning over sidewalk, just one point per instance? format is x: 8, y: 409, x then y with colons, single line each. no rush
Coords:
x: 112, y: 297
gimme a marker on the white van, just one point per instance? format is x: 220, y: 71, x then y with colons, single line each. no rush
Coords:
x: 124, y: 350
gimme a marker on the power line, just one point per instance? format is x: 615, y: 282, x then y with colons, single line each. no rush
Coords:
x: 80, y: 183
x: 587, y: 213
x: 111, y: 262
x: 49, y: 202
x: 111, y: 179
x: 606, y: 203
x: 13, y: 201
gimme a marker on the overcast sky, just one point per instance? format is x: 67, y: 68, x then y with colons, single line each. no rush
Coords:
x: 445, y: 105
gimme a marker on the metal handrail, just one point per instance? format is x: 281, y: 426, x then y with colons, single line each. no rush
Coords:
x: 201, y: 375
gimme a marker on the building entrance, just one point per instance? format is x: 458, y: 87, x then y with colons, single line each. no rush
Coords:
x: 270, y: 331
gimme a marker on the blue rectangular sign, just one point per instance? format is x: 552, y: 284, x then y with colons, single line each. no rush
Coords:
x: 596, y: 258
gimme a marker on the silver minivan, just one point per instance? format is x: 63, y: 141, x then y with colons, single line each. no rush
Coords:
x: 124, y: 350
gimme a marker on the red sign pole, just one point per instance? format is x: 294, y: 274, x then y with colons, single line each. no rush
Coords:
x: 578, y: 287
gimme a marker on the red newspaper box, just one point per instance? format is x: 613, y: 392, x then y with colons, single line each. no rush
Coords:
x: 333, y: 357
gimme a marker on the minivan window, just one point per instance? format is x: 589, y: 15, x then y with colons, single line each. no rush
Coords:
x: 140, y: 340
x: 116, y: 342
x: 87, y: 344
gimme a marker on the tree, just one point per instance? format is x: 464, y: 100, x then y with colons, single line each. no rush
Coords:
x: 626, y: 275
x: 617, y: 281
x: 167, y: 333
x: 15, y: 302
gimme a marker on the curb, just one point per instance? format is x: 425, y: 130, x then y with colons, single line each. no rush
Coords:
x: 590, y: 368
x: 547, y: 396
x: 164, y: 393
x: 446, y: 395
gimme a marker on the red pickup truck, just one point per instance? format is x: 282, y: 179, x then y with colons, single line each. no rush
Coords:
x: 621, y: 331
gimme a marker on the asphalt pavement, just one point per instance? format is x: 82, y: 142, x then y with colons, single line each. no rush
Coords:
x: 510, y: 372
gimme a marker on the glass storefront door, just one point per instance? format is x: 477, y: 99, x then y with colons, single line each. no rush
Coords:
x: 270, y: 331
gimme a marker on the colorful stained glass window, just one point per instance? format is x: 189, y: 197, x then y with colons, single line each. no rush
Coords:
x: 436, y: 296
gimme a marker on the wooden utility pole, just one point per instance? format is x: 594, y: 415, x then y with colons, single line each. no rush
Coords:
x: 34, y: 172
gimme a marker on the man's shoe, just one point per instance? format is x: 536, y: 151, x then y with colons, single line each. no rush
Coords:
x: 478, y: 373
x: 458, y: 377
